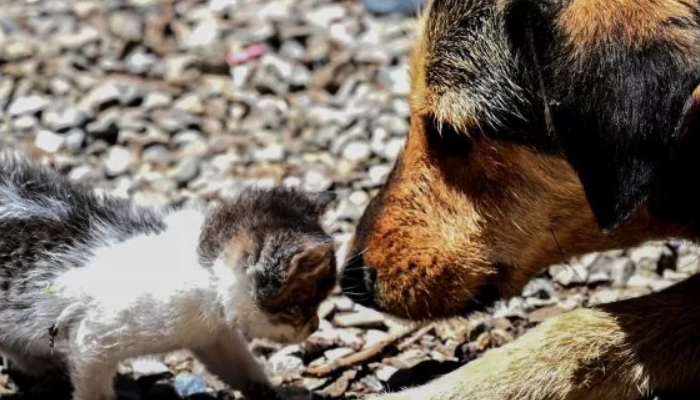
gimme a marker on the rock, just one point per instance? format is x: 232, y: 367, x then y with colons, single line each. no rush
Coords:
x: 125, y: 25
x: 363, y: 317
x: 186, y: 170
x: 271, y: 153
x: 205, y: 34
x: 569, y: 274
x: 378, y: 173
x: 385, y: 372
x: 357, y: 151
x: 621, y: 270
x: 139, y: 62
x: 63, y: 118
x: 31, y: 104
x: 339, y: 386
x: 374, y: 336
x: 75, y: 139
x: 118, y: 161
x: 542, y: 314
x: 16, y: 50
x: 314, y: 383
x: 177, y: 68
x: 285, y: 362
x: 336, y: 354
x: 316, y: 181
x: 189, y: 385
x: 540, y: 288
x: 25, y: 123
x: 156, y: 100
x: 323, y: 16
x: 74, y: 41
x: 48, y: 141
x: 148, y: 367
x: 190, y: 103
x: 101, y: 97
x: 652, y: 258
x: 156, y: 154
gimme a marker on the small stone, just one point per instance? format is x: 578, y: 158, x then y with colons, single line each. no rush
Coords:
x: 204, y: 34
x: 63, y: 118
x: 75, y: 139
x: 148, y: 367
x: 314, y: 383
x: 639, y: 281
x: 316, y: 181
x: 60, y: 86
x: 17, y: 50
x: 156, y: 154
x: 621, y: 270
x: 156, y: 100
x: 177, y: 66
x: 190, y: 103
x: 139, y: 62
x: 357, y: 151
x: 336, y: 354
x: 118, y: 161
x: 285, y: 363
x: 569, y: 274
x: 652, y: 257
x: 190, y: 384
x: 126, y: 26
x: 378, y: 173
x: 186, y: 170
x: 74, y: 41
x: 542, y: 314
x: 25, y: 123
x: 604, y: 296
x: 324, y: 16
x: 271, y: 153
x: 362, y: 318
x: 27, y: 105
x: 340, y: 386
x: 374, y: 336
x: 101, y: 97
x: 393, y: 148
x: 48, y: 141
x: 385, y: 372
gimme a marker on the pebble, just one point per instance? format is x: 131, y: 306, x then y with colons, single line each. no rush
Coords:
x: 118, y: 161
x: 27, y: 105
x: 190, y: 103
x: 186, y: 170
x: 63, y: 118
x: 101, y: 97
x: 270, y: 153
x: 25, y: 123
x: 190, y: 384
x: 148, y: 367
x: 357, y: 151
x: 285, y: 362
x: 156, y: 100
x: 48, y: 141
x: 362, y: 318
x: 337, y: 354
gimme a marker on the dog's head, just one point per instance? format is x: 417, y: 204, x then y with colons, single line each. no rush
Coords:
x: 540, y: 129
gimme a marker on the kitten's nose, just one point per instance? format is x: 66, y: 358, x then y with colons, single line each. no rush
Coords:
x: 357, y: 282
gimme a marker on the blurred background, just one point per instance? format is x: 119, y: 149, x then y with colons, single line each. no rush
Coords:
x: 170, y: 102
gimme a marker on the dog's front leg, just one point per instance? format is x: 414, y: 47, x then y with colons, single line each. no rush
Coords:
x: 619, y: 351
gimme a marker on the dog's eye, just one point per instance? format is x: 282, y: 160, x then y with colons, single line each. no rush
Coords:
x: 445, y: 139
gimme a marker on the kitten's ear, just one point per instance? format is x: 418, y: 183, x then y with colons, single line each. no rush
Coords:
x: 313, y: 258
x: 321, y: 201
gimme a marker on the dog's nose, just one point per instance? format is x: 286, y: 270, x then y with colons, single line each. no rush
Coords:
x: 357, y: 282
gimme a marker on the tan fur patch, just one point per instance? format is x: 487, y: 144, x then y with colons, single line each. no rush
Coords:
x: 236, y: 249
x: 635, y: 23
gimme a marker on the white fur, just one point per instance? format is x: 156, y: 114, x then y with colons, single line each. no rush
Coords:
x: 147, y: 295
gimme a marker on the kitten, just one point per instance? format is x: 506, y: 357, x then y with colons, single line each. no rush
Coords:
x: 87, y: 280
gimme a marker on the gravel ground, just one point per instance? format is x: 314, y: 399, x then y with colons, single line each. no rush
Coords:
x: 137, y: 96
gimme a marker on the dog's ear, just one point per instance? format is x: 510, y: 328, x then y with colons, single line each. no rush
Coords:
x: 597, y: 109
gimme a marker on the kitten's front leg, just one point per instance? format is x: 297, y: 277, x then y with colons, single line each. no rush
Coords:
x: 92, y: 378
x: 228, y: 358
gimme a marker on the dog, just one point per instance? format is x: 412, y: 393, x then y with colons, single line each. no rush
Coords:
x: 543, y: 129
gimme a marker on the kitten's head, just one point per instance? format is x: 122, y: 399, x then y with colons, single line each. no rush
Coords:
x: 282, y: 262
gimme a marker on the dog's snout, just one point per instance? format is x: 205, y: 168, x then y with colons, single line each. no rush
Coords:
x: 357, y: 281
